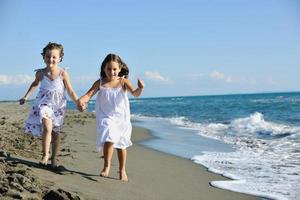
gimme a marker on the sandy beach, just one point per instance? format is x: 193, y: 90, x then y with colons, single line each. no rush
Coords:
x: 152, y: 174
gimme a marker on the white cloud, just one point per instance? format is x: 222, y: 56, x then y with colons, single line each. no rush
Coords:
x: 216, y: 75
x: 155, y: 76
x: 15, y: 80
x: 221, y: 76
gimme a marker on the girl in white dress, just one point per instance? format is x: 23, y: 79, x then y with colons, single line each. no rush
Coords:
x: 112, y: 111
x: 47, y: 114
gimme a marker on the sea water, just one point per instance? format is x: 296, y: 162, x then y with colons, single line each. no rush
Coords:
x: 254, y: 139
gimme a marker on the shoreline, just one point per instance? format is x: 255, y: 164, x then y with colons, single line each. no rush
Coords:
x: 220, y: 177
x: 152, y: 174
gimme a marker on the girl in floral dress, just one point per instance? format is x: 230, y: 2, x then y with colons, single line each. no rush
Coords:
x: 47, y: 114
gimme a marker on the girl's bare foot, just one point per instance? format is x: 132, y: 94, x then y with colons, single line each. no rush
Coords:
x: 123, y: 176
x: 105, y: 172
x: 44, y: 160
x: 54, y: 161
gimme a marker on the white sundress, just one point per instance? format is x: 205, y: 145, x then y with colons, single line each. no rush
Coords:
x: 113, y: 118
x: 50, y: 102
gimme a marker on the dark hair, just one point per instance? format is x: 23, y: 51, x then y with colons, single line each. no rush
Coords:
x: 51, y: 46
x: 115, y: 58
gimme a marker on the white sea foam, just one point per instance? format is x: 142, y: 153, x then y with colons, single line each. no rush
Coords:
x: 257, y: 174
x: 267, y: 157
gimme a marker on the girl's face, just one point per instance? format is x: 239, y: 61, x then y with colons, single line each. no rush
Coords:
x: 112, y: 70
x: 52, y: 57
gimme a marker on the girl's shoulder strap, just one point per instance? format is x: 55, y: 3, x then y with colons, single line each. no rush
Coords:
x: 62, y: 71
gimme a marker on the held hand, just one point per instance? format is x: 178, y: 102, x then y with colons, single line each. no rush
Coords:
x: 22, y: 101
x: 81, y: 106
x: 140, y: 84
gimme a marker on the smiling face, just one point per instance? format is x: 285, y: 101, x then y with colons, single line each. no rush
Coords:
x: 52, y: 57
x: 112, y: 70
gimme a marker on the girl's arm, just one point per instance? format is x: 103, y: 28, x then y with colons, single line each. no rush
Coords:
x: 33, y: 86
x: 135, y: 92
x: 90, y: 93
x: 69, y: 87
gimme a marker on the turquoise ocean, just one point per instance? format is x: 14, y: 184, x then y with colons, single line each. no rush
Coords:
x: 254, y: 139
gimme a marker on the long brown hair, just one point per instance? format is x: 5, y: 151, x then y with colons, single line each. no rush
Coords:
x: 115, y: 58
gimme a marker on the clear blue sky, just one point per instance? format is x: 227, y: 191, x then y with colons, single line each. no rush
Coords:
x: 178, y: 48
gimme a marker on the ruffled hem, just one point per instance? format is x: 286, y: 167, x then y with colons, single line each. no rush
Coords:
x: 33, y: 124
x: 120, y: 142
x: 120, y: 145
x: 37, y: 129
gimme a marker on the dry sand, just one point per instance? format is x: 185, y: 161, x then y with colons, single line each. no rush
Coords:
x: 152, y: 174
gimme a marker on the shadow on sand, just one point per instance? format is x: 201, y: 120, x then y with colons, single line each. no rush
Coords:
x: 61, y: 170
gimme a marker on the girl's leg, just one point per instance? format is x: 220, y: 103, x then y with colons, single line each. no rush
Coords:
x: 55, y: 148
x: 46, y: 139
x: 108, y: 150
x: 122, y: 155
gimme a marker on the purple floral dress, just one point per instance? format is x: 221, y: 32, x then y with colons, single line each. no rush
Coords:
x: 50, y: 102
